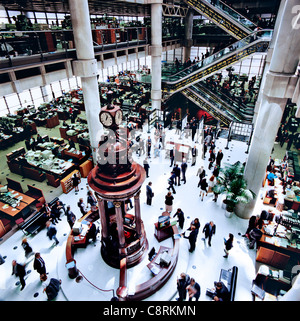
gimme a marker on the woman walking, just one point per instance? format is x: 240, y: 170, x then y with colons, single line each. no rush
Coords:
x: 228, y: 245
x: 203, y: 188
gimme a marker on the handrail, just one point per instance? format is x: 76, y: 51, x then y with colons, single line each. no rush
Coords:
x: 223, y: 53
x: 237, y: 16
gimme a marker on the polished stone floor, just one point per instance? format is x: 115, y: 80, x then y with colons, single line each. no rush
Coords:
x: 204, y: 264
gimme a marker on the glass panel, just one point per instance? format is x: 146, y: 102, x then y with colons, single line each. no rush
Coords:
x: 260, y: 38
x: 232, y: 13
x: 25, y: 97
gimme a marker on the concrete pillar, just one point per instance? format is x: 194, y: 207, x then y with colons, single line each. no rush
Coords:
x: 279, y: 85
x: 137, y: 213
x: 86, y: 67
x: 188, y: 35
x: 156, y: 50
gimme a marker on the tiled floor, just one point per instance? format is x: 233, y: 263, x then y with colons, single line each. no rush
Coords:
x: 204, y: 264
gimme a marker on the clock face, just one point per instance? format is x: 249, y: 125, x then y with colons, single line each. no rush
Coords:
x: 119, y: 117
x: 106, y: 119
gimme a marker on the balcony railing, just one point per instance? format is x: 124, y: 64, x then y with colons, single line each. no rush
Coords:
x: 23, y: 47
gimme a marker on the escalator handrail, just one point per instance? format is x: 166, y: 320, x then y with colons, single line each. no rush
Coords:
x: 225, y: 110
x: 229, y: 100
x: 232, y: 16
x: 220, y: 55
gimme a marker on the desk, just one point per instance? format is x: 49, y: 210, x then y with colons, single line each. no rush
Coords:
x: 164, y: 233
x: 268, y: 283
x: 13, y: 213
x: 81, y: 240
x: 154, y: 266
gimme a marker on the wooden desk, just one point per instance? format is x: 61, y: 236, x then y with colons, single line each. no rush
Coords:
x: 275, y: 255
x: 14, y: 213
x: 162, y: 234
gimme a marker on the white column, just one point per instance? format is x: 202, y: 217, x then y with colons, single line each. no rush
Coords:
x: 156, y: 50
x: 86, y: 67
x: 278, y: 87
x: 188, y: 41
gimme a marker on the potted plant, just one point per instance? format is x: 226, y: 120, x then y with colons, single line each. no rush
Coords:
x: 231, y: 182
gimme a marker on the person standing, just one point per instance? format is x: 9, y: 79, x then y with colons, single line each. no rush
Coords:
x: 92, y: 201
x: 212, y: 158
x: 149, y: 193
x: 192, y: 237
x: 172, y: 156
x: 194, y: 155
x: 180, y: 216
x: 201, y: 173
x: 209, y: 229
x: 75, y: 181
x: 149, y: 143
x: 183, y: 170
x: 82, y: 207
x: 40, y: 266
x: 141, y: 147
x: 169, y: 202
x: 219, y: 158
x: 176, y: 170
x: 204, y: 149
x: 228, y: 245
x: 19, y: 270
x: 146, y: 166
x: 203, y: 188
x: 182, y: 284
x: 71, y: 218
x: 51, y: 232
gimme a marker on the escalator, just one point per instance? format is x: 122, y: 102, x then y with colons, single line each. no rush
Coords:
x: 224, y: 16
x: 257, y: 42
x: 240, y: 111
x: 221, y: 115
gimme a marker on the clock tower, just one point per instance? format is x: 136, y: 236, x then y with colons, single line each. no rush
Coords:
x: 115, y: 179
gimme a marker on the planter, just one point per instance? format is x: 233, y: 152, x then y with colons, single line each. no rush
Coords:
x: 224, y: 204
x: 228, y: 214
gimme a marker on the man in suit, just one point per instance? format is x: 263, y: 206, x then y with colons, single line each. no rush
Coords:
x: 40, y: 266
x: 194, y: 155
x: 183, y: 170
x: 192, y: 238
x: 71, y: 218
x: 209, y: 229
x: 219, y: 157
x: 172, y: 156
x: 211, y: 159
x: 19, y: 270
x: 171, y: 182
x: 149, y: 193
x: 204, y: 150
x: 176, y: 170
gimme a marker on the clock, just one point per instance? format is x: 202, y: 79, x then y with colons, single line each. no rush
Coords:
x: 106, y: 119
x: 118, y: 117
